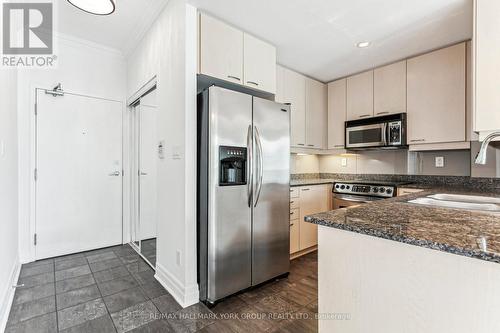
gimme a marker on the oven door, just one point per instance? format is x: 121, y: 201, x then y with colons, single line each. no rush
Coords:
x: 366, y: 136
x: 345, y: 200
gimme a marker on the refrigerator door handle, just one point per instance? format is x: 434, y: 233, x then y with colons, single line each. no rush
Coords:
x: 250, y: 166
x: 260, y: 168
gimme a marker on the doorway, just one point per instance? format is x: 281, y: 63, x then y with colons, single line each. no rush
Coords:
x: 145, y: 175
x: 78, y: 175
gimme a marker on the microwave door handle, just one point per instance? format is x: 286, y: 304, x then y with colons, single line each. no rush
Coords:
x: 385, y: 134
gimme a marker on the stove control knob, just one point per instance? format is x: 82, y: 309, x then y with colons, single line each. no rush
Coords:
x: 337, y: 186
x: 342, y: 187
x: 348, y: 187
x: 375, y: 189
x: 382, y: 190
x: 389, y: 191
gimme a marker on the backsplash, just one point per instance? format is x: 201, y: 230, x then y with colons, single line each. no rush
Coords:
x: 483, y: 184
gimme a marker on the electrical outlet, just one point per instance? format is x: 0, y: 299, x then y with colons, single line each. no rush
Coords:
x: 161, y: 150
x: 178, y: 257
x: 344, y: 162
x: 439, y: 162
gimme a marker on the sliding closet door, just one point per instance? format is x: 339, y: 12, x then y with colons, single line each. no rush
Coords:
x: 79, y: 174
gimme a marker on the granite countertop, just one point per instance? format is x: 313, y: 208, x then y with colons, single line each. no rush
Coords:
x: 314, y: 181
x: 450, y: 230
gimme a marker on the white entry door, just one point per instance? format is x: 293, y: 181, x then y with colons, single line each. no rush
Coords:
x: 79, y: 174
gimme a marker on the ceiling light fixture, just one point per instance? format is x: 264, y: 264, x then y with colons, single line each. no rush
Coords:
x: 96, y: 7
x: 362, y: 45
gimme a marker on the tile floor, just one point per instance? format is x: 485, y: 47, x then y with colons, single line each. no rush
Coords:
x: 148, y: 250
x: 114, y: 290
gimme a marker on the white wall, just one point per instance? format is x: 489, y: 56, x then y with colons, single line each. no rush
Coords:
x: 168, y: 51
x: 82, y: 67
x: 9, y: 250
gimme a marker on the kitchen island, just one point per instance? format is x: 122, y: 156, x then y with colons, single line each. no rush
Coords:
x: 393, y: 266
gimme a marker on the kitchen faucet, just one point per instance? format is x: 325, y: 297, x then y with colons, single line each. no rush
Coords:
x: 481, y: 156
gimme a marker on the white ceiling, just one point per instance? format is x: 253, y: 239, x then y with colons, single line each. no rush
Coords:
x: 121, y: 30
x: 318, y: 37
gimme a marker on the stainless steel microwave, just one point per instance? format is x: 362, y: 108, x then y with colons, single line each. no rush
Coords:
x: 386, y: 132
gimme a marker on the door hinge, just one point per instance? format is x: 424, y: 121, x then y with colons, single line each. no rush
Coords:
x: 34, y: 239
x: 36, y: 174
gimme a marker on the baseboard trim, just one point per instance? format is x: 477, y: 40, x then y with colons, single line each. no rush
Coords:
x: 184, y: 295
x: 303, y: 252
x: 8, y: 294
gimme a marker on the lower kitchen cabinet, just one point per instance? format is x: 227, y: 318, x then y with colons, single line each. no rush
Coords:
x: 306, y: 200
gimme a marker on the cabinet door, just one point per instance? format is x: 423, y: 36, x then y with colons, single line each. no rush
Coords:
x: 487, y: 66
x: 389, y: 85
x: 316, y: 114
x: 294, y: 236
x: 336, y: 114
x: 280, y: 85
x: 295, y: 94
x: 259, y: 64
x: 360, y: 96
x: 436, y: 96
x: 313, y: 199
x: 221, y: 50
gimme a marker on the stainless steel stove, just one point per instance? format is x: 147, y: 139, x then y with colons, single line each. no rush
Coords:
x: 347, y: 193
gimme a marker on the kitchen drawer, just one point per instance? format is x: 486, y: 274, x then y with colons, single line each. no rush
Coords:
x: 294, y: 214
x: 294, y: 192
x: 294, y: 203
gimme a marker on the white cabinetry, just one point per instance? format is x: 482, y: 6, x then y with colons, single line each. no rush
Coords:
x: 436, y: 96
x: 390, y: 89
x: 487, y: 66
x: 294, y: 92
x: 259, y: 64
x: 360, y: 96
x: 221, y: 50
x: 336, y: 114
x: 229, y: 54
x: 316, y: 114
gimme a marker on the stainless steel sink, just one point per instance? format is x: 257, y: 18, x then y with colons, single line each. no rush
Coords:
x: 466, y: 202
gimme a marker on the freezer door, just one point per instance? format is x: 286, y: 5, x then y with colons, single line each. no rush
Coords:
x: 271, y: 226
x: 229, y: 212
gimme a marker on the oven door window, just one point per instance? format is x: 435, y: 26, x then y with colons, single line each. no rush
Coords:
x: 366, y: 136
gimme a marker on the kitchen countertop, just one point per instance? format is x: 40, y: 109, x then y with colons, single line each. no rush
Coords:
x: 449, y: 230
x: 314, y: 181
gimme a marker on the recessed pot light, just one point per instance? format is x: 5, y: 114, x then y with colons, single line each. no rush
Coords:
x: 97, y: 7
x: 362, y: 45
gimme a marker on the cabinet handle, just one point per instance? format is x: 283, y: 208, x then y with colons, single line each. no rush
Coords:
x: 310, y: 145
x: 385, y: 112
x: 252, y: 82
x: 306, y: 189
x: 418, y: 140
x: 365, y: 115
x: 292, y: 202
x: 300, y: 144
x: 292, y: 224
x: 234, y: 77
x: 291, y: 213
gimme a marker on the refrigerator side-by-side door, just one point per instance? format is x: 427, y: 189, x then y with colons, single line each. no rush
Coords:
x: 271, y: 226
x: 229, y: 214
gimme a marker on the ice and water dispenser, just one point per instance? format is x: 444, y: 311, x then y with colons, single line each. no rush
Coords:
x: 232, y: 166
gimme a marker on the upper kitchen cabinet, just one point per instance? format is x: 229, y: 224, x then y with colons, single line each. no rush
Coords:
x: 337, y: 106
x: 294, y: 92
x: 259, y: 64
x: 280, y: 84
x: 487, y: 66
x: 360, y: 96
x: 229, y: 54
x: 221, y: 50
x: 436, y: 96
x: 390, y: 89
x: 316, y: 114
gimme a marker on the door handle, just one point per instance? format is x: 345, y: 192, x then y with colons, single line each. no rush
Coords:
x: 261, y: 165
x: 250, y: 166
x: 115, y: 174
x: 143, y: 173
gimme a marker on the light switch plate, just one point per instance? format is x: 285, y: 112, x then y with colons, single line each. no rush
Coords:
x: 439, y: 162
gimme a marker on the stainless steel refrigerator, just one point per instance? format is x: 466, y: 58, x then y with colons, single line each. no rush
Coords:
x: 243, y: 192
